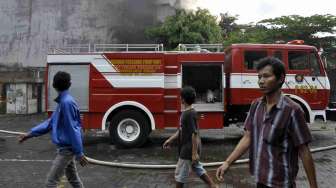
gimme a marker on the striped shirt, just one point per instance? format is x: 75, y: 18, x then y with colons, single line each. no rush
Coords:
x: 275, y: 137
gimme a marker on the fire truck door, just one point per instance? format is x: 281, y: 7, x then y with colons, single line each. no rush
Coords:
x: 207, y: 80
x: 79, y: 84
x: 305, y: 76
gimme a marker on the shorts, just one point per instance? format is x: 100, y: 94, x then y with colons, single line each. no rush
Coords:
x: 183, y: 168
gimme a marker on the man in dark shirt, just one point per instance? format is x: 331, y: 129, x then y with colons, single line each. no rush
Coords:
x: 276, y: 133
x: 188, y: 142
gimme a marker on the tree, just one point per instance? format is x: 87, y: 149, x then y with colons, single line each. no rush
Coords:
x: 244, y: 33
x: 309, y: 29
x: 316, y: 30
x: 227, y: 24
x: 248, y: 34
x: 197, y: 27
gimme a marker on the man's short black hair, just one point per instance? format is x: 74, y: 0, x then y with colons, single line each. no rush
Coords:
x: 276, y: 64
x: 188, y: 94
x: 62, y: 81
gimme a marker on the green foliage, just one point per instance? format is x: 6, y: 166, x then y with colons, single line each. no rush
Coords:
x: 314, y: 30
x: 197, y: 27
x: 201, y: 27
x: 227, y: 24
x: 308, y: 29
x: 248, y: 34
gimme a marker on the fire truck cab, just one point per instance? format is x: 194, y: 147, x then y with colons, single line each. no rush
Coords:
x: 306, y: 79
x: 131, y: 93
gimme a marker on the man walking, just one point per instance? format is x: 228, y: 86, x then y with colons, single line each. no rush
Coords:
x: 65, y: 127
x: 276, y: 133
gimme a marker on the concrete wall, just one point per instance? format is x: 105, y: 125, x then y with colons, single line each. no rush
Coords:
x: 30, y: 27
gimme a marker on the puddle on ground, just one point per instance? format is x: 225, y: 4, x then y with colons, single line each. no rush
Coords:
x: 213, y: 150
x: 3, y: 147
x: 152, y: 152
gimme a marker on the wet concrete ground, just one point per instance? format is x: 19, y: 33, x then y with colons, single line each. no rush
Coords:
x: 26, y: 165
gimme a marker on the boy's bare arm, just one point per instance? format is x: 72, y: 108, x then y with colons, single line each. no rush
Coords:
x: 170, y: 139
x: 174, y: 136
x: 195, y: 143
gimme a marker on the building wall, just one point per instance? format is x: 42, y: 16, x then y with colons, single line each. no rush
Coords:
x: 30, y: 27
x: 19, y: 92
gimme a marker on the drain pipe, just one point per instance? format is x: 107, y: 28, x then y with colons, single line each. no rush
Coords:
x: 146, y: 166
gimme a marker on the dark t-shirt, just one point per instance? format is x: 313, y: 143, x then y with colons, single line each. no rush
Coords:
x: 188, y: 126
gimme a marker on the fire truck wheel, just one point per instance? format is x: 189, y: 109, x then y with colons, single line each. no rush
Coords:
x: 129, y: 128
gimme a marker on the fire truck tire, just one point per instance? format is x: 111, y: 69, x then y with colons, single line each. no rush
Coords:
x: 129, y: 128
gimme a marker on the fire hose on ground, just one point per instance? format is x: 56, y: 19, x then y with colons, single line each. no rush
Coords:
x: 147, y: 166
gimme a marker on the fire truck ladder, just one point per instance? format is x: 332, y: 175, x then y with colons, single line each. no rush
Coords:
x: 201, y: 47
x: 127, y: 47
x: 100, y: 48
x: 69, y: 49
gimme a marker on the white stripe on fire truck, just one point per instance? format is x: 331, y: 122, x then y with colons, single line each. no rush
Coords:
x: 110, y: 63
x: 80, y: 58
x: 172, y: 81
x: 158, y: 80
x: 102, y: 65
x: 251, y: 81
x: 109, y: 94
x: 317, y: 78
x: 306, y: 81
x: 135, y: 81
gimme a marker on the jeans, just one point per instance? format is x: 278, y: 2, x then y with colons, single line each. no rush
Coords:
x: 64, y: 162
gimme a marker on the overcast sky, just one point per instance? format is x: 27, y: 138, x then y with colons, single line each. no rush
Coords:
x: 256, y: 10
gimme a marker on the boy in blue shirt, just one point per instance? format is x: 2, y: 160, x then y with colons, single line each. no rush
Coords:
x: 65, y: 127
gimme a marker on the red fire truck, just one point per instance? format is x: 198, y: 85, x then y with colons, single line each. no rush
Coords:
x: 131, y: 93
